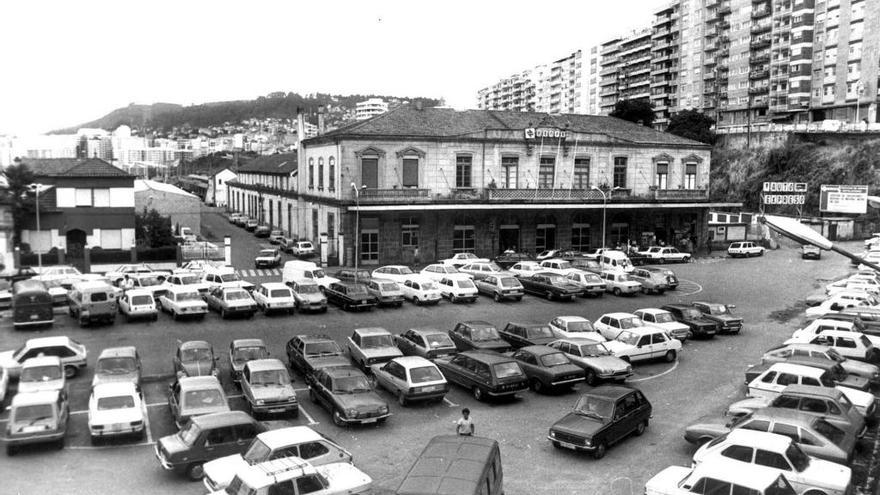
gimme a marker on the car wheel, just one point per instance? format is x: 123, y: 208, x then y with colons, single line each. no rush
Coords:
x: 401, y: 398
x: 94, y: 440
x: 70, y: 371
x: 556, y: 445
x: 661, y: 291
x: 641, y: 428
x: 174, y: 316
x: 222, y: 314
x: 11, y: 450
x: 156, y: 317
x: 518, y: 299
x: 599, y: 453
x: 337, y: 419
x: 195, y: 471
x: 670, y: 356
x: 478, y: 393
x: 497, y: 297
x: 626, y: 358
x: 537, y: 386
x: 549, y: 295
x: 686, y: 259
x: 591, y: 379
x: 644, y: 290
x: 616, y: 291
x: 312, y: 396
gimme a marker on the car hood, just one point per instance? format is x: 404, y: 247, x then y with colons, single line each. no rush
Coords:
x: 272, y: 392
x: 856, y: 382
x: 199, y: 411
x: 671, y: 326
x: 579, y: 425
x: 747, y: 405
x: 666, y: 481
x: 724, y: 318
x: 618, y: 347
x: 327, y: 361
x: 367, y: 401
x: 173, y: 445
x: 862, y: 400
x: 612, y: 363
x: 344, y: 477
x: 493, y: 345
x: 859, y: 368
x: 127, y: 415
x: 10, y: 364
x: 311, y: 297
x: 381, y: 352
x: 222, y: 470
x: 198, y: 368
x: 699, y: 322
x: 41, y: 386
x: 118, y: 378
x: 827, y: 474
x: 712, y: 424
x: 566, y: 369
x: 541, y: 340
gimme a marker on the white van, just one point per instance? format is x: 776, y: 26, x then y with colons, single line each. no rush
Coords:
x: 298, y: 269
x: 615, y: 261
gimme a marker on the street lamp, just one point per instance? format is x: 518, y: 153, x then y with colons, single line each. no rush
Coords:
x: 793, y: 229
x: 36, y: 188
x: 357, y: 221
x: 604, y: 208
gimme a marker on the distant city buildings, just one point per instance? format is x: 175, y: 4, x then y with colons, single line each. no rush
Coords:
x: 370, y: 108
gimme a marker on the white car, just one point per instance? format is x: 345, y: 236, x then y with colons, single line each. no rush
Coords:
x: 664, y: 319
x: 851, y: 345
x: 190, y: 280
x: 819, y: 325
x: 267, y: 258
x: 138, y: 303
x: 4, y: 383
x: 224, y: 276
x: 458, y: 289
x: 396, y: 273
x: 572, y: 327
x: 833, y: 304
x: 303, y: 248
x: 148, y: 281
x: 619, y: 283
x: 611, y: 324
x: 438, y: 271
x: 181, y: 301
x: 744, y: 249
x: 115, y: 409
x: 665, y: 254
x: 116, y: 276
x: 853, y: 283
x: 804, y: 472
x: 274, y: 296
x: 64, y: 276
x: 411, y: 379
x: 646, y: 343
x: 525, y: 268
x: 771, y: 383
x: 592, y: 283
x: 198, y: 266
x: 481, y: 270
x: 40, y: 374
x: 460, y: 259
x: 281, y: 476
x: 420, y: 290
x: 557, y: 266
x: 725, y: 476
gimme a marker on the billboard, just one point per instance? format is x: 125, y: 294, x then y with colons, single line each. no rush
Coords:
x: 784, y: 193
x: 843, y: 199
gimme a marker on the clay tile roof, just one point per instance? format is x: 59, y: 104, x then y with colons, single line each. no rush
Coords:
x: 73, y: 167
x: 282, y: 163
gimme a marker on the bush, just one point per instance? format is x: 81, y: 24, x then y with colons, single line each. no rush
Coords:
x: 102, y: 256
x: 164, y: 253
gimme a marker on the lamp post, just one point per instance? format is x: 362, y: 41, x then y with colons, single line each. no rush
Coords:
x: 357, y: 221
x: 37, y: 204
x: 793, y: 229
x: 604, y: 208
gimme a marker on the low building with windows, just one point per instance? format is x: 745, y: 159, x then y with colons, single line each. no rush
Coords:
x: 82, y: 202
x: 420, y: 184
x: 183, y: 208
x: 265, y: 189
x: 216, y: 192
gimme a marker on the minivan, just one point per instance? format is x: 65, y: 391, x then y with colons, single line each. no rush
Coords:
x: 464, y: 465
x: 92, y: 301
x: 298, y: 269
x: 615, y: 261
x: 31, y: 304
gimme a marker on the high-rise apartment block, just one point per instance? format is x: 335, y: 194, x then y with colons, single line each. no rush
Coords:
x: 625, y: 69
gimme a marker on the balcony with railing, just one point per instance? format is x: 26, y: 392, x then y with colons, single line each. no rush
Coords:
x: 759, y: 90
x: 760, y: 42
x: 761, y: 27
x: 385, y: 196
x: 723, y: 8
x: 759, y: 74
x: 761, y: 59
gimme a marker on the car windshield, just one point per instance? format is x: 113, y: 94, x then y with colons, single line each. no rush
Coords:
x: 834, y: 355
x: 322, y: 349
x: 279, y: 293
x: 257, y: 452
x: 630, y: 322
x: 425, y: 374
x: 117, y: 402
x: 189, y: 434
x: 691, y: 314
x: 390, y: 286
x: 149, y: 281
x: 507, y: 370
x: 579, y: 326
x: 663, y: 318
x: 249, y: 353
x: 308, y: 289
x: 493, y: 267
x: 141, y: 300
x: 718, y: 309
x: 428, y: 285
x: 439, y: 340
x: 351, y: 385
x: 404, y: 270
x: 116, y: 365
x: 465, y: 284
x: 189, y: 280
x: 554, y: 359
x: 188, y: 296
x: 230, y: 277
x: 510, y: 282
x: 202, y: 398
x: 40, y: 373
x: 628, y: 338
x: 374, y: 341
x: 270, y: 377
x: 798, y: 458
x: 834, y: 434
x: 267, y: 252
x: 33, y: 413
x: 484, y: 333
x: 539, y: 332
x: 594, y: 407
x: 449, y: 269
x: 556, y: 279
x: 592, y: 278
x: 236, y: 295
x: 196, y: 354
x: 866, y: 343
x: 594, y: 350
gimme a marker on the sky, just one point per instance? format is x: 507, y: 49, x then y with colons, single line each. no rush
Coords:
x: 66, y: 63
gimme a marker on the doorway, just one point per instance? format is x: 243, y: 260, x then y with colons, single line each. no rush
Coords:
x: 508, y: 238
x: 76, y: 243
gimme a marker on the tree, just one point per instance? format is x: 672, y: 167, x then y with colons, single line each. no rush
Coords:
x: 638, y: 111
x: 152, y: 229
x: 692, y: 124
x: 20, y: 196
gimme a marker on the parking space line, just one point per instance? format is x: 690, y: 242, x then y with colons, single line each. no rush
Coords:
x: 670, y: 370
x: 157, y: 404
x: 308, y: 416
x: 84, y: 411
x: 147, y: 422
x: 104, y: 447
x: 449, y: 402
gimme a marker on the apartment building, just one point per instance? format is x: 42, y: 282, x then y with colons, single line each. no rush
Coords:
x: 625, y: 69
x: 370, y: 108
x: 515, y: 93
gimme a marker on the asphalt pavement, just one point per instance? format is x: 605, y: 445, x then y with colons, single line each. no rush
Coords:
x: 707, y: 377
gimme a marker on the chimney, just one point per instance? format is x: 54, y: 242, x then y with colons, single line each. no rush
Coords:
x: 320, y: 120
x: 300, y: 128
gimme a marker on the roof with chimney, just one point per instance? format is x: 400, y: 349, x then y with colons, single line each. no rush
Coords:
x: 279, y: 164
x: 73, y: 167
x: 409, y: 121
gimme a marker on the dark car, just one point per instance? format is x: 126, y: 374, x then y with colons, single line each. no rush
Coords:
x: 18, y: 274
x: 346, y: 393
x: 526, y: 334
x: 352, y: 275
x: 426, y: 342
x: 205, y: 438
x: 485, y: 374
x: 478, y: 336
x: 695, y: 320
x: 195, y: 358
x: 586, y: 264
x: 720, y: 314
x: 262, y: 231
x: 507, y: 260
x: 547, y: 368
x: 309, y: 353
x: 606, y: 415
x: 638, y: 259
x: 551, y: 285
x: 350, y: 296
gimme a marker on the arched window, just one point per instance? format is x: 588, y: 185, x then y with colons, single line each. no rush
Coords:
x: 331, y: 176
x: 321, y: 173
x: 311, y: 173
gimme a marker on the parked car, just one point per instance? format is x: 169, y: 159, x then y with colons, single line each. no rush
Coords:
x: 525, y: 268
x: 411, y: 379
x: 724, y: 476
x: 224, y: 276
x: 73, y: 354
x: 229, y: 301
x: 134, y: 269
x: 369, y: 346
x: 116, y: 409
x: 645, y: 343
x: 508, y: 259
x: 672, y: 281
x: 458, y: 289
x: 420, y: 290
x: 32, y: 304
x: 292, y: 441
x: 149, y: 281
x: 242, y: 351
x: 837, y: 323
x: 308, y: 295
x: 611, y: 324
x: 482, y: 270
x: 276, y: 235
x: 345, y: 392
x: 835, y: 371
x: 294, y: 475
x: 426, y: 342
x: 197, y: 267
x: 303, y: 249
x: 191, y: 396
x: 308, y: 353
x: 206, y: 438
x: 273, y: 297
x: 604, y: 416
x: 267, y: 388
x: 478, y: 336
x: 352, y: 275
x: 485, y: 374
x: 663, y: 254
x: 852, y: 345
x: 63, y: 276
x: 699, y: 325
x: 744, y: 249
x: 550, y: 285
x: 649, y: 280
x: 460, y: 259
x: 286, y: 244
x: 598, y: 363
x: 182, y: 302
x: 118, y: 364
x: 590, y: 283
x: 39, y: 417
x: 587, y: 265
x: 547, y: 368
x: 771, y: 382
x: 90, y: 302
x: 138, y: 303
x: 565, y: 327
x: 195, y: 358
x: 396, y: 273
x: 501, y: 287
x: 14, y: 275
x: 664, y: 319
x: 251, y: 224
x: 557, y: 265
x: 267, y: 258
x: 386, y: 292
x: 722, y: 314
x: 350, y: 296
x: 439, y: 271
x: 619, y: 283
x: 867, y: 371
x: 526, y: 334
x: 41, y: 373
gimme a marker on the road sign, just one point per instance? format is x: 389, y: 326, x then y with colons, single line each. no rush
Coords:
x: 784, y: 193
x: 843, y: 199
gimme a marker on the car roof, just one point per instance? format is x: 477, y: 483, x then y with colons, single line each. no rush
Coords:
x: 343, y: 371
x: 274, y: 285
x: 180, y: 289
x: 42, y: 361
x: 613, y: 392
x: 779, y: 413
x: 138, y: 292
x: 393, y: 266
x: 797, y: 369
x: 755, y: 476
x: 652, y: 311
x: 305, y: 281
x: 265, y: 364
x: 539, y: 350
x: 478, y: 323
x: 569, y: 319
x: 267, y: 473
x: 427, y: 330
x: 487, y: 357
x: 372, y: 331
x: 813, y: 390
x: 527, y: 325
x: 282, y: 437
x: 763, y: 439
x: 195, y: 344
x: 91, y: 284
x: 34, y: 398
x: 112, y: 389
x: 49, y: 341
x: 125, y: 351
x: 412, y: 361
x: 619, y: 314
x: 248, y: 343
x: 555, y: 260
x: 314, y: 337
x: 190, y: 382
x: 220, y: 419
x: 578, y: 341
x: 677, y: 306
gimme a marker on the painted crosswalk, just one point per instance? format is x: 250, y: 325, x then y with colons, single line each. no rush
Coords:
x: 256, y: 273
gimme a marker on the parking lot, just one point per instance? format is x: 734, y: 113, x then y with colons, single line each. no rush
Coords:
x: 707, y: 377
